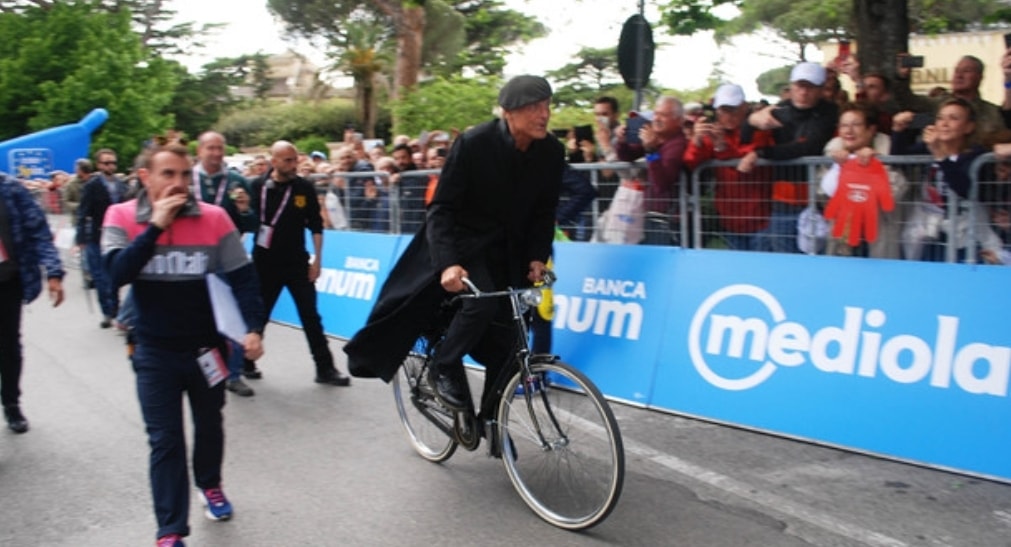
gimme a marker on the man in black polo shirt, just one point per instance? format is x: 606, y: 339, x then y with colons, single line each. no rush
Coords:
x: 285, y: 205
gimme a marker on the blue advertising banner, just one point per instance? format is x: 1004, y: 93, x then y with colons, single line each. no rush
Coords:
x: 908, y: 360
x: 610, y: 312
x: 30, y: 163
x: 904, y: 359
x: 354, y: 267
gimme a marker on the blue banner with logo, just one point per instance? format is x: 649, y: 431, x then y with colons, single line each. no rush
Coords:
x: 30, y: 163
x: 610, y: 309
x: 905, y: 359
x: 909, y: 360
x: 353, y: 269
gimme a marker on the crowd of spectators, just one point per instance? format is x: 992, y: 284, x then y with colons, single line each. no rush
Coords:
x: 925, y: 211
x: 746, y: 204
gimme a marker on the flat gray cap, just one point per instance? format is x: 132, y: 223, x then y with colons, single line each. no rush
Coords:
x: 523, y: 90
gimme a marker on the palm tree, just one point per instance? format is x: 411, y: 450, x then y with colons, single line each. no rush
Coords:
x: 364, y: 57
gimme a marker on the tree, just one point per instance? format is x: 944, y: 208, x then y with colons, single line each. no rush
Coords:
x: 800, y: 22
x: 593, y: 72
x: 363, y: 58
x: 290, y: 121
x: 446, y: 104
x: 152, y: 21
x: 878, y: 49
x: 443, y: 40
x: 330, y: 20
x: 881, y: 27
x: 59, y: 62
x: 201, y: 99
x: 491, y: 29
x: 771, y: 82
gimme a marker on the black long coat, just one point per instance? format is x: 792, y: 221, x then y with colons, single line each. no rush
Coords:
x: 491, y: 199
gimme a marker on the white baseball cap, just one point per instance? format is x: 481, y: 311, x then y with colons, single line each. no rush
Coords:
x: 808, y: 72
x: 644, y: 114
x: 728, y: 95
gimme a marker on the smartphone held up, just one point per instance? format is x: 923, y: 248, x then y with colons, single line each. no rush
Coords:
x: 636, y: 120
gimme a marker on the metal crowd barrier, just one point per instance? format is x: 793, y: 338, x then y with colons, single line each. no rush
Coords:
x: 719, y: 209
x: 962, y: 233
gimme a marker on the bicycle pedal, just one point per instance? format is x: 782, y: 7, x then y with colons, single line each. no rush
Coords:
x: 467, y: 430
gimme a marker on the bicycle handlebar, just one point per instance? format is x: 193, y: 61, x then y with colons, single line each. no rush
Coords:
x: 548, y: 280
x: 522, y: 294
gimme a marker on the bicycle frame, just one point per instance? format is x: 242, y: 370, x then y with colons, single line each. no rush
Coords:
x: 542, y: 418
x: 521, y: 300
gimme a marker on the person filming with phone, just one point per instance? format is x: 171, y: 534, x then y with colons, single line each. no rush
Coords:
x: 662, y: 142
x: 965, y: 82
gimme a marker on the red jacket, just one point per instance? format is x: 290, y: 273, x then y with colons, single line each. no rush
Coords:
x: 741, y: 199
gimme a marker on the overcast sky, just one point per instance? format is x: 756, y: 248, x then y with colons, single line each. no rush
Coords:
x: 681, y: 62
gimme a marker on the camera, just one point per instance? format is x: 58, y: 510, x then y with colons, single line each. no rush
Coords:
x: 912, y: 61
x: 708, y: 114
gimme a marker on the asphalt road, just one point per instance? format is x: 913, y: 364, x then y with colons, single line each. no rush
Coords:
x: 311, y: 465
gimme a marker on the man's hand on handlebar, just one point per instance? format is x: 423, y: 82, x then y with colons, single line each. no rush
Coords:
x: 537, y: 269
x: 452, y: 278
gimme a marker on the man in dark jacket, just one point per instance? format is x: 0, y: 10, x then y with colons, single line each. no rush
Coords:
x: 25, y: 244
x: 491, y: 220
x: 800, y: 126
x: 103, y: 189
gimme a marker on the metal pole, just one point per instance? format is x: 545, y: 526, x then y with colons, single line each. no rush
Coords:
x: 639, y: 54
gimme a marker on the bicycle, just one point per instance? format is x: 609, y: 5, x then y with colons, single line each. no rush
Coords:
x: 553, y: 430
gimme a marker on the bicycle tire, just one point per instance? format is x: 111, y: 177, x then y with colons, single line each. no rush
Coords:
x: 575, y: 481
x: 418, y: 408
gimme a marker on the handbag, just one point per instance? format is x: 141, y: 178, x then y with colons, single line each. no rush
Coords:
x: 335, y: 210
x: 624, y: 221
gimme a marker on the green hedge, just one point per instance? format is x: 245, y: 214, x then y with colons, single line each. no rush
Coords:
x: 263, y: 124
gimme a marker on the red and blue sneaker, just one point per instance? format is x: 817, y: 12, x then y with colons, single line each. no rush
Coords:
x: 218, y: 506
x: 171, y: 540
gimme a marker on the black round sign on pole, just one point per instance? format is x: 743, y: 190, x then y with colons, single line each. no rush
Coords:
x: 635, y: 52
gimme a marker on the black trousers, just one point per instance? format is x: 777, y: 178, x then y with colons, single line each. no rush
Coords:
x: 11, y: 295
x: 273, y: 278
x: 482, y: 328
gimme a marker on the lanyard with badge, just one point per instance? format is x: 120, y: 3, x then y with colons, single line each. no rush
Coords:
x: 220, y: 195
x: 266, y: 233
x: 212, y: 364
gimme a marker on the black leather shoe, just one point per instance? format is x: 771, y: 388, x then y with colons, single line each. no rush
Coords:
x: 238, y: 387
x: 16, y: 421
x: 451, y: 389
x: 333, y: 378
x: 251, y: 372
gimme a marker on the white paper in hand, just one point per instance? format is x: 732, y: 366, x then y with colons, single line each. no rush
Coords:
x: 227, y: 316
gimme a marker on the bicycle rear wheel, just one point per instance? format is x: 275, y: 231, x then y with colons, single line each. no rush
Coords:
x: 563, y: 450
x: 428, y: 424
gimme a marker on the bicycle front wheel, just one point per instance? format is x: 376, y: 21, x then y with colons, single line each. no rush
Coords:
x: 428, y: 424
x: 561, y: 445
